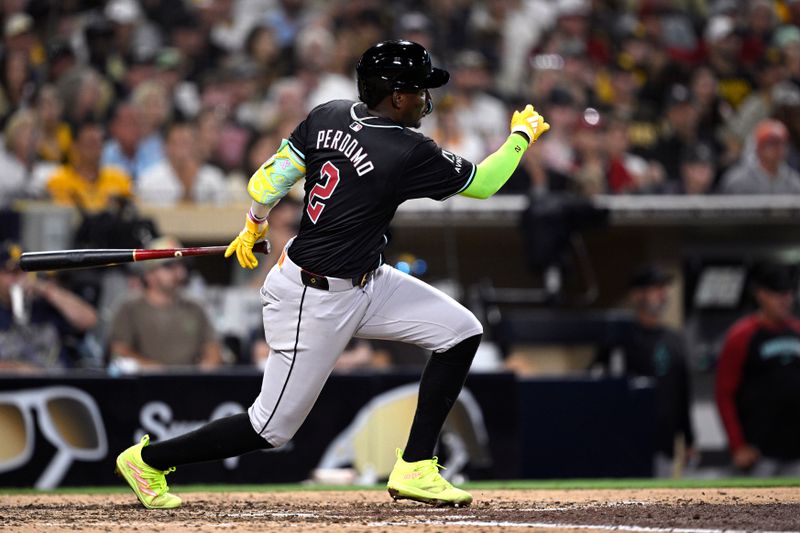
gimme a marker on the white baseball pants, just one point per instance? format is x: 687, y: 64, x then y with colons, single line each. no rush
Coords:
x: 308, y: 328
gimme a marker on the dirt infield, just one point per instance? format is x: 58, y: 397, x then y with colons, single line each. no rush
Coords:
x: 698, y: 510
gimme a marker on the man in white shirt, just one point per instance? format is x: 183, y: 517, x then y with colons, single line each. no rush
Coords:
x: 182, y: 176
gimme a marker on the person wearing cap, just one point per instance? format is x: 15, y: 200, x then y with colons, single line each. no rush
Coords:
x: 161, y: 328
x: 37, y: 315
x: 680, y: 131
x: 758, y: 379
x: 19, y: 36
x: 651, y: 349
x: 724, y: 47
x: 767, y: 172
x: 698, y: 169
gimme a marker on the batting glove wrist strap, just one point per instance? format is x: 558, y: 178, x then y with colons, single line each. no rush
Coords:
x: 243, y: 244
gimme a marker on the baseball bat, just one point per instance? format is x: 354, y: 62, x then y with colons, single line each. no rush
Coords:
x: 71, y: 259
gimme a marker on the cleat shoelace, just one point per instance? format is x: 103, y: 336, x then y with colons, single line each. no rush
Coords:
x: 157, y: 481
x: 430, y: 472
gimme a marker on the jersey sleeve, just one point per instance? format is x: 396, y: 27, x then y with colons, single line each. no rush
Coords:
x: 297, y: 140
x: 730, y: 369
x: 432, y: 172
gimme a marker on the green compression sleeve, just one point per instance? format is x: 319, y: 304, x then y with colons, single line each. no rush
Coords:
x: 494, y: 171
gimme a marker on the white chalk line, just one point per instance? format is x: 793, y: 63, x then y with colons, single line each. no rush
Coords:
x: 418, y: 522
x: 557, y: 525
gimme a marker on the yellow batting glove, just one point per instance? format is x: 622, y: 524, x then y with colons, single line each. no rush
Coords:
x: 243, y: 244
x: 529, y: 123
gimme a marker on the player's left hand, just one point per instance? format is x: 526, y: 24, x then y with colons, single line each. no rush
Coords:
x: 243, y: 244
x: 529, y: 123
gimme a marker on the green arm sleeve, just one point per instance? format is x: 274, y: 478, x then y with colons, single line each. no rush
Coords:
x: 494, y: 171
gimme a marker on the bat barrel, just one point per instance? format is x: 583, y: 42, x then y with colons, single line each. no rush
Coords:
x: 67, y: 259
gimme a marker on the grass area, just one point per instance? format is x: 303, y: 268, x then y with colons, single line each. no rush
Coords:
x: 557, y: 484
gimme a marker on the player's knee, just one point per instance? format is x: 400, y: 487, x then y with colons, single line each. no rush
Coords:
x: 469, y: 324
x: 277, y: 441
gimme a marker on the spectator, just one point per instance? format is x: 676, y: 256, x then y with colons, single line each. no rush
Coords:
x: 85, y: 182
x: 60, y: 59
x: 787, y: 40
x: 315, y: 47
x: 557, y: 150
x: 182, y: 176
x: 133, y: 35
x: 55, y: 137
x: 37, y: 317
x: 19, y: 36
x: 153, y: 106
x: 161, y: 328
x: 650, y: 348
x: 86, y: 95
x: 126, y: 149
x: 471, y: 83
x: 591, y: 170
x: 450, y: 134
x: 16, y: 85
x: 285, y: 105
x: 680, y: 131
x: 767, y: 172
x: 627, y: 172
x: 697, y: 170
x: 703, y: 86
x: 19, y: 173
x: 724, y: 58
x: 171, y: 75
x: 786, y: 102
x: 759, y: 104
x: 758, y: 379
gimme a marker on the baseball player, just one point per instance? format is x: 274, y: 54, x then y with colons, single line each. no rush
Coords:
x: 360, y: 161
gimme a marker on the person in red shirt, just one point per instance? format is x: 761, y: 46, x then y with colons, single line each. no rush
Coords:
x: 758, y: 379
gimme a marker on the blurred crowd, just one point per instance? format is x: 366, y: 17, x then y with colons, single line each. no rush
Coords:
x: 179, y: 101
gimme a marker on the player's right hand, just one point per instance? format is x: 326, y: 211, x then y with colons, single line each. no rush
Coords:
x: 529, y: 123
x: 243, y: 244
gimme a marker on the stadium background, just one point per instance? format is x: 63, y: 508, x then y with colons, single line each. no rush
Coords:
x: 544, y: 265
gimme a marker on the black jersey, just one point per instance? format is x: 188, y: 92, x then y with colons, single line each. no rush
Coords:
x: 359, y: 168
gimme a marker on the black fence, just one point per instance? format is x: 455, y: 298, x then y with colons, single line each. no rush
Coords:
x: 66, y: 430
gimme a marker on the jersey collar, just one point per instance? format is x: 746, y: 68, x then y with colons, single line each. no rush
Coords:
x: 359, y: 113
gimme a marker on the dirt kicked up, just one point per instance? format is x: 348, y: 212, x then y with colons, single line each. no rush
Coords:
x: 662, y: 510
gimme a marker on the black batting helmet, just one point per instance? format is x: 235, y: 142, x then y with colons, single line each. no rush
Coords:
x: 396, y: 66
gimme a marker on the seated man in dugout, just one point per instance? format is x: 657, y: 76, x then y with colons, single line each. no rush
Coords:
x: 161, y: 328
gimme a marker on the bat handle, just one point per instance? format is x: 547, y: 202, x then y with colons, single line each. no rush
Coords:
x: 262, y: 247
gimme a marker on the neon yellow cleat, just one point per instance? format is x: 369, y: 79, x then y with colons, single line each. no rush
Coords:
x: 420, y: 481
x: 149, y: 484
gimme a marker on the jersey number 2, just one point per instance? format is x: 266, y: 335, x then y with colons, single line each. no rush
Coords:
x: 329, y: 179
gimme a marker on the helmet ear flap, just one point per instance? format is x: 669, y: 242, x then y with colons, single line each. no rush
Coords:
x: 372, y: 90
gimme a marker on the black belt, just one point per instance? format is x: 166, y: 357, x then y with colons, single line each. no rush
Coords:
x: 321, y: 282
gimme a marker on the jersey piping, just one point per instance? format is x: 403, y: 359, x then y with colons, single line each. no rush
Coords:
x: 291, y: 367
x: 297, y: 152
x: 362, y: 120
x: 467, y: 183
